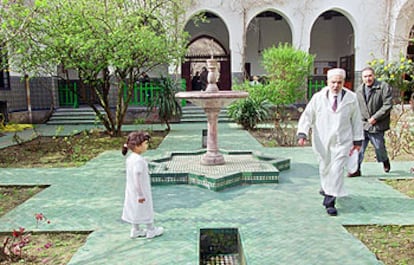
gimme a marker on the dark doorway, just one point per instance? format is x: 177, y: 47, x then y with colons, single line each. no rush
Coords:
x: 199, y: 50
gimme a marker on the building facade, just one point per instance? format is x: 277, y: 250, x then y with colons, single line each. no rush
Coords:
x: 339, y: 33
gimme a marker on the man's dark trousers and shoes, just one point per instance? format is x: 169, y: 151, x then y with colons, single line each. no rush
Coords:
x: 387, y: 166
x: 329, y: 203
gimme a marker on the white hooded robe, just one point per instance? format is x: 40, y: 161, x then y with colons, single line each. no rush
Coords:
x: 333, y: 134
x: 138, y: 185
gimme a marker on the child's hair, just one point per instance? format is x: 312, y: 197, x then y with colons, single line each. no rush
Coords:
x: 134, y: 139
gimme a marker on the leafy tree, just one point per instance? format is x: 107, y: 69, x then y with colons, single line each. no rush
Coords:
x: 398, y: 73
x: 110, y: 43
x: 287, y: 72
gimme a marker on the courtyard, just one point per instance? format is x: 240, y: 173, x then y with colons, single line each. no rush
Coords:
x: 278, y: 223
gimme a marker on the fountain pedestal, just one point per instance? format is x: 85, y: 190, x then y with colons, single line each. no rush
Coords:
x: 212, y: 100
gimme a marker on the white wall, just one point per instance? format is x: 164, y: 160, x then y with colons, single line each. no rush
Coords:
x: 331, y: 39
x: 374, y: 24
x: 215, y: 28
x: 263, y: 33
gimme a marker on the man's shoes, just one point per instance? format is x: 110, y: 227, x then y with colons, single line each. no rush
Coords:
x: 387, y: 166
x: 332, y: 211
x: 329, y: 203
x: 157, y: 231
x: 137, y: 233
x: 355, y: 174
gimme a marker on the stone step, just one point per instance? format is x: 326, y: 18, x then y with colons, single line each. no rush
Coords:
x: 72, y: 116
x: 195, y: 112
x: 77, y: 113
x: 202, y: 115
x: 76, y: 110
x: 71, y: 122
x: 192, y: 113
x: 191, y: 120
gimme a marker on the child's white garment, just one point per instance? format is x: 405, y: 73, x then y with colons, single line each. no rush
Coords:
x: 138, y: 184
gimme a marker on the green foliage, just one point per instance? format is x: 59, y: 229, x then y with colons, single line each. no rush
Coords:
x: 287, y: 72
x: 399, y: 73
x: 249, y: 112
x: 13, y: 127
x: 89, y: 36
x: 59, y: 129
x: 2, y: 122
x: 109, y: 44
x: 139, y: 121
x: 167, y: 106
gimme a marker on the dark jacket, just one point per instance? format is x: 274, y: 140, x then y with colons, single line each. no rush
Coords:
x: 378, y: 106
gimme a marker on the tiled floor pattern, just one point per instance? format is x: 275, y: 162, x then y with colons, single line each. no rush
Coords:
x: 233, y: 163
x: 282, y: 223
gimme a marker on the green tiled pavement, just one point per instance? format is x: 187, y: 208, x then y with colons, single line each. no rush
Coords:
x: 282, y: 223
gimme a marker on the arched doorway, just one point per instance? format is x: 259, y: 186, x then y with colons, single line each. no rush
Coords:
x: 265, y: 30
x: 198, y: 51
x: 330, y: 27
x: 208, y: 38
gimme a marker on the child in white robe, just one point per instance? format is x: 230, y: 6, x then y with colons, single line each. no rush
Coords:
x: 138, y: 208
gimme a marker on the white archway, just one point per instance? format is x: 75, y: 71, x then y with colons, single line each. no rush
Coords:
x: 268, y: 28
x: 207, y: 39
x: 332, y: 43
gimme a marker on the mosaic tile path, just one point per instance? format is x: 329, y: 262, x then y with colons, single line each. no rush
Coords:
x: 282, y: 223
x: 241, y: 167
x: 233, y: 163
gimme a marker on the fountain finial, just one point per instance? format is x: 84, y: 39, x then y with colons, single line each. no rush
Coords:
x: 211, y: 48
x: 212, y: 76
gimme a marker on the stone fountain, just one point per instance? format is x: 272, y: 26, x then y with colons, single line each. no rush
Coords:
x: 217, y: 169
x: 212, y: 100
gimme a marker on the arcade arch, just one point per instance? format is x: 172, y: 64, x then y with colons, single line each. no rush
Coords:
x: 332, y: 43
x: 404, y: 24
x: 265, y: 30
x: 207, y: 39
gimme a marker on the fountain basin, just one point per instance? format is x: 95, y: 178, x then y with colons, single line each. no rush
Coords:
x: 241, y: 167
x: 212, y: 99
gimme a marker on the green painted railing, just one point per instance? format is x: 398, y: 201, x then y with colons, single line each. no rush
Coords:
x: 183, y: 88
x: 68, y: 96
x: 314, y: 86
x: 142, y: 94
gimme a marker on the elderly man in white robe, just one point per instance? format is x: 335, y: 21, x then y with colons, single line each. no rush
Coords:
x: 335, y: 119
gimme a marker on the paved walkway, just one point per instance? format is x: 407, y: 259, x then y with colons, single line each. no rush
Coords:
x: 281, y: 223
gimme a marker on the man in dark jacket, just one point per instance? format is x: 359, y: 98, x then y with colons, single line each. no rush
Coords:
x: 375, y: 102
x: 203, y: 78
